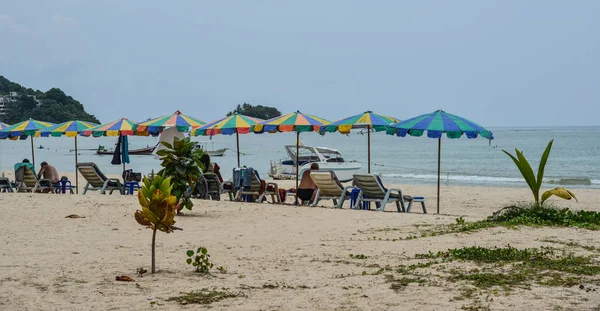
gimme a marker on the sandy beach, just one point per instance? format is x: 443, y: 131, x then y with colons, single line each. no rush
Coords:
x: 276, y: 257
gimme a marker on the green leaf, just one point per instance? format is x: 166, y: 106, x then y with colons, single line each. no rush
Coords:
x: 204, y: 251
x: 519, y: 166
x: 166, y: 144
x: 162, y: 152
x: 529, y: 175
x: 190, y: 253
x: 180, y: 169
x: 540, y: 176
x: 559, y: 192
x: 189, y: 261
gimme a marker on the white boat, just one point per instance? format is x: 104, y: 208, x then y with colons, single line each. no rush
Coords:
x: 213, y: 152
x: 327, y: 158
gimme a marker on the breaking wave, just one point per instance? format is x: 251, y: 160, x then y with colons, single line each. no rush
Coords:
x: 489, y: 179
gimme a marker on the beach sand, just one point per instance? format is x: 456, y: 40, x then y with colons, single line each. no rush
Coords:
x: 277, y: 257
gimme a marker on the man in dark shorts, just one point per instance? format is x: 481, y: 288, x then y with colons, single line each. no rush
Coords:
x: 307, y: 188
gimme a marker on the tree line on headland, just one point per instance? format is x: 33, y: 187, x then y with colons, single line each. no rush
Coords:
x: 21, y: 103
x: 52, y: 106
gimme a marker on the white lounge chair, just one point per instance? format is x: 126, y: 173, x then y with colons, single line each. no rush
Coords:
x: 373, y: 190
x: 329, y: 188
x: 96, y: 180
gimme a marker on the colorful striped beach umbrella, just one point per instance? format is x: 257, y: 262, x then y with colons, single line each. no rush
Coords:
x: 235, y: 123
x: 182, y: 122
x: 436, y: 124
x: 3, y: 126
x: 26, y: 128
x: 69, y: 129
x: 367, y: 120
x: 121, y: 127
x: 297, y: 122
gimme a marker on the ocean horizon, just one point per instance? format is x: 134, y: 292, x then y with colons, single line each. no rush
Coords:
x: 573, y: 161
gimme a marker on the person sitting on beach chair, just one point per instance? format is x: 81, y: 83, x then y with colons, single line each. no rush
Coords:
x: 20, y: 171
x: 307, y: 188
x: 27, y: 181
x: 49, y: 172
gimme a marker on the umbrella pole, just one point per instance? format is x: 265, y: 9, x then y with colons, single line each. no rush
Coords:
x: 76, y: 174
x: 237, y: 140
x: 438, y: 185
x: 32, y: 153
x: 297, y: 159
x: 368, y: 150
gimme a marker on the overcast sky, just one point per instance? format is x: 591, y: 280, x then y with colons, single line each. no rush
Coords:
x: 498, y: 63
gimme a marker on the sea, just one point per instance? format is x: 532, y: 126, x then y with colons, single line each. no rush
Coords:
x: 574, y: 161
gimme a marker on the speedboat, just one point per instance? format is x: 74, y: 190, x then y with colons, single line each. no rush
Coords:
x: 327, y: 158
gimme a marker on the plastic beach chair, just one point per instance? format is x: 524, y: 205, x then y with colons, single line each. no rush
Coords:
x: 373, y: 190
x: 329, y: 188
x: 257, y: 188
x: 208, y: 186
x: 5, y: 185
x: 27, y: 181
x: 96, y: 180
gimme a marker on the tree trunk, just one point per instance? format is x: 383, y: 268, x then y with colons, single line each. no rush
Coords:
x: 153, y: 250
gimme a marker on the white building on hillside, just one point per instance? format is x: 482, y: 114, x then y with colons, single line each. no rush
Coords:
x: 12, y: 97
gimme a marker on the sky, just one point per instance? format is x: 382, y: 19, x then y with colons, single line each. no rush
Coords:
x: 497, y: 63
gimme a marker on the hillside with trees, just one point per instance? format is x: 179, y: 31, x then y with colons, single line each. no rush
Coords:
x: 52, y: 106
x: 261, y: 112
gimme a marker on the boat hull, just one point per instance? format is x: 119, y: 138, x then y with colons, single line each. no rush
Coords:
x: 142, y: 151
x: 216, y: 153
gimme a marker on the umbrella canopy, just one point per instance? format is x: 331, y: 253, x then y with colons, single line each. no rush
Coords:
x: 367, y: 120
x: 436, y: 124
x: 177, y: 119
x: 297, y: 122
x: 121, y: 127
x: 26, y: 128
x: 235, y: 123
x: 3, y: 125
x: 69, y: 129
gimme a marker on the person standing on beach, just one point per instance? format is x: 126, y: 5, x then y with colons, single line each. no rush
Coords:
x: 49, y: 172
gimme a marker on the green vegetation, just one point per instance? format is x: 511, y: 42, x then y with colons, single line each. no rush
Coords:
x: 548, y: 216
x: 204, y: 296
x: 181, y: 162
x: 510, y: 217
x: 200, y: 259
x: 54, y: 105
x: 536, y: 183
x: 518, y: 267
x: 261, y: 112
x: 158, y: 208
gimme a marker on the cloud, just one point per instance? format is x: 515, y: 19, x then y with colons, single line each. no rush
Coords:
x: 6, y: 19
x: 8, y: 22
x: 64, y: 20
